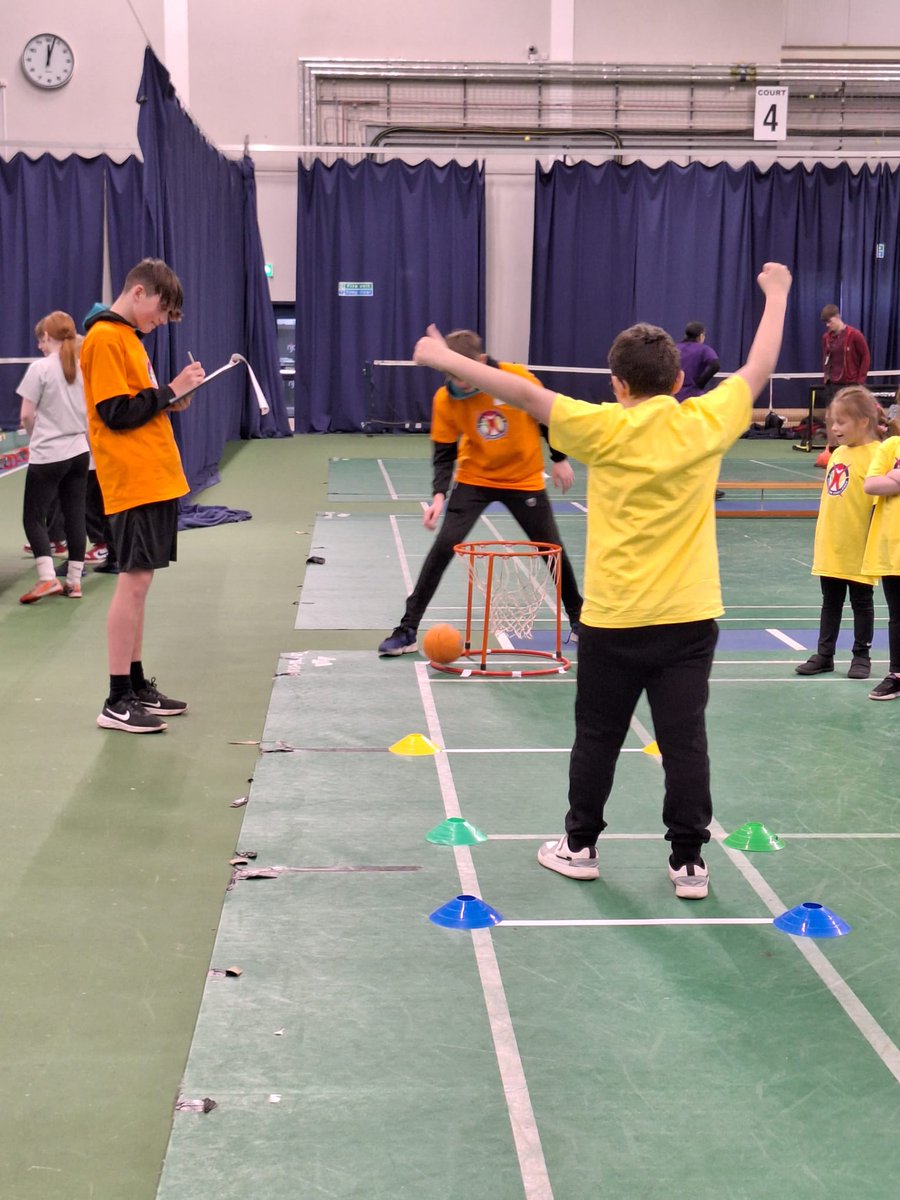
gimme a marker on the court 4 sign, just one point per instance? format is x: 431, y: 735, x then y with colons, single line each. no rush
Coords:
x: 770, y: 114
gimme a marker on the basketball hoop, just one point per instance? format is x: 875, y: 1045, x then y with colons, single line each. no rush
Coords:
x: 514, y: 579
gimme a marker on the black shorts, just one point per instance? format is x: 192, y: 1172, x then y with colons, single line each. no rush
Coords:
x: 145, y: 538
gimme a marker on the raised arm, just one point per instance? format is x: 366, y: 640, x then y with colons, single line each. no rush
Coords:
x: 432, y: 351
x: 775, y: 281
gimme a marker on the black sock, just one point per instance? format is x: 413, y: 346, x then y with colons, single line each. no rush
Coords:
x: 119, y: 686
x: 138, y: 682
x: 683, y: 853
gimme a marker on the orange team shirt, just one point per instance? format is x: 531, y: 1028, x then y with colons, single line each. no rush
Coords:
x: 134, y: 466
x: 497, y: 446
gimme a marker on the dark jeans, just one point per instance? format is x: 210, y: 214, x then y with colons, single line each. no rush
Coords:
x: 891, y: 585
x: 862, y: 602
x: 672, y: 664
x: 463, y: 508
x: 44, y: 483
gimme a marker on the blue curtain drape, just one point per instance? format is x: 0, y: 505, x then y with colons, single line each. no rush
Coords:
x: 411, y: 238
x: 51, y: 253
x: 124, y: 216
x: 615, y: 244
x: 260, y: 332
x: 194, y: 213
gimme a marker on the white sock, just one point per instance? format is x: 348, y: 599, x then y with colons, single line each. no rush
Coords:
x: 45, y: 568
x: 74, y: 572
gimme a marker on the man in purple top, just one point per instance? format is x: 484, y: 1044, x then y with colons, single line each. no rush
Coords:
x: 698, y: 361
x: 845, y: 354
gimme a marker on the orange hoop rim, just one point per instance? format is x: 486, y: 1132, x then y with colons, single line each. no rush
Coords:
x: 506, y: 549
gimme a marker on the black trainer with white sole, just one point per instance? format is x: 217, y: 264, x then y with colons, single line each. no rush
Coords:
x: 158, y: 704
x: 129, y: 715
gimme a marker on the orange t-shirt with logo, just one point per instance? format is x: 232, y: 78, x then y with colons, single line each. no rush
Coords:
x: 134, y: 466
x: 497, y: 446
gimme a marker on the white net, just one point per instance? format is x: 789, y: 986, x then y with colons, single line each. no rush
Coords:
x: 515, y: 579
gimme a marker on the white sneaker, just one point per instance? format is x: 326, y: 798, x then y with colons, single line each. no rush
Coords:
x: 691, y: 881
x: 577, y: 864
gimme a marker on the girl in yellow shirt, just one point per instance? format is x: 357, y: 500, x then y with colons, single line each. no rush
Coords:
x: 844, y: 515
x: 883, y: 552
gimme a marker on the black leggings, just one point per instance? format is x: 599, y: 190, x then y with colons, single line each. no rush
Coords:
x: 834, y: 593
x: 672, y: 664
x: 44, y: 482
x: 465, y: 505
x: 891, y: 585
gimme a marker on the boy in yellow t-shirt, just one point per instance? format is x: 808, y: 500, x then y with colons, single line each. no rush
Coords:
x: 652, y: 588
x: 497, y: 455
x: 140, y: 476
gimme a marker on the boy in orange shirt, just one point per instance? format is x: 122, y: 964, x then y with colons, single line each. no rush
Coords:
x: 140, y: 474
x: 497, y: 453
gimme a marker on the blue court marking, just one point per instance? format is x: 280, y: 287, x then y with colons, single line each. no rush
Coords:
x: 730, y: 641
x: 791, y: 503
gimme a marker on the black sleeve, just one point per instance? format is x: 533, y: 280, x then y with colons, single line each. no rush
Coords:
x: 555, y: 455
x: 706, y: 374
x: 130, y: 412
x: 444, y: 459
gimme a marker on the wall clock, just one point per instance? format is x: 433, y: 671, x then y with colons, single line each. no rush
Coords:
x: 48, y: 61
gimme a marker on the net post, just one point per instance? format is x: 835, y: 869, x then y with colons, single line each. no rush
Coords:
x: 485, y: 633
x: 557, y: 560
x: 470, y: 567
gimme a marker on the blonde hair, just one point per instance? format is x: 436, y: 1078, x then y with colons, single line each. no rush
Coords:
x: 859, y: 402
x: 61, y: 328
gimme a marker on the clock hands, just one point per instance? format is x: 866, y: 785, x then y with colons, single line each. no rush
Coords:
x: 50, y: 50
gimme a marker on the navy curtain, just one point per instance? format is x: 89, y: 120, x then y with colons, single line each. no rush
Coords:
x: 124, y: 217
x: 260, y: 331
x: 618, y: 244
x: 409, y: 242
x: 51, y: 253
x: 194, y: 213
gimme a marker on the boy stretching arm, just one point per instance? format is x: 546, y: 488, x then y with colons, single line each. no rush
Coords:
x: 774, y: 280
x: 651, y: 583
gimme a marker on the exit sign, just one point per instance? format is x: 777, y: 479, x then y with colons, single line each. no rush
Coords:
x: 270, y: 271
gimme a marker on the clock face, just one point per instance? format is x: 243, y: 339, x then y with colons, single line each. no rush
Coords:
x: 48, y: 61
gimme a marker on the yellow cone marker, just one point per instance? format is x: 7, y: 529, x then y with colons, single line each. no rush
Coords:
x: 414, y: 745
x: 652, y: 749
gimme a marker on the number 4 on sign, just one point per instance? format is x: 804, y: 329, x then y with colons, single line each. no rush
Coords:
x: 770, y: 114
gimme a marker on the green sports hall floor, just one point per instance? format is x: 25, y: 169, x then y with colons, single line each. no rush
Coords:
x: 600, y: 1041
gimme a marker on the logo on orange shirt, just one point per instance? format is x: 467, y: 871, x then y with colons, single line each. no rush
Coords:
x: 492, y: 424
x: 150, y: 375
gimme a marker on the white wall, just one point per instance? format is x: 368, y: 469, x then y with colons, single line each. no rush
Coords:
x: 241, y: 61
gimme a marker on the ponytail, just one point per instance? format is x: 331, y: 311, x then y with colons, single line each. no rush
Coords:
x: 61, y: 328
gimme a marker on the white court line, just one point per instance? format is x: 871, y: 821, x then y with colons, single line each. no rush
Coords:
x: 646, y: 837
x: 528, y: 750
x: 836, y: 984
x: 575, y: 504
x: 532, y: 1167
x: 783, y: 637
x: 775, y: 467
x: 387, y: 479
x: 401, y: 555
x: 13, y: 470
x: 642, y: 921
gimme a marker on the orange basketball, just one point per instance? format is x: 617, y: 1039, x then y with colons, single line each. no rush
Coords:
x: 442, y: 643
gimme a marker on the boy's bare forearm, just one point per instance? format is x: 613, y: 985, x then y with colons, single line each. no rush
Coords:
x: 775, y: 281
